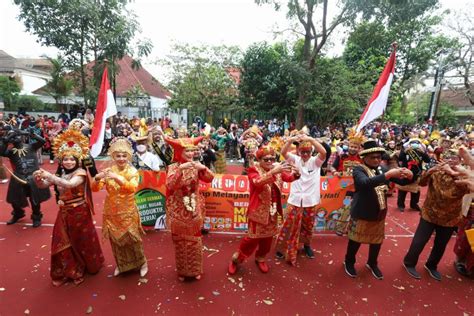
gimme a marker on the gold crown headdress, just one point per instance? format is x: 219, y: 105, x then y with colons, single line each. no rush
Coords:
x: 71, y: 142
x: 120, y: 144
x: 356, y: 137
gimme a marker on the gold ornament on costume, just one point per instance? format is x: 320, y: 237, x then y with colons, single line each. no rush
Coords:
x: 71, y: 142
x: 120, y: 145
x: 21, y: 152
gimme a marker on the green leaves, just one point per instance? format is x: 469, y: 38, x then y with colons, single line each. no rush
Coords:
x: 201, y: 78
x: 84, y: 30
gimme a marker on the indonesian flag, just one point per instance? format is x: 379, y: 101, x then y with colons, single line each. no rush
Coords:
x: 105, y: 108
x: 378, y: 101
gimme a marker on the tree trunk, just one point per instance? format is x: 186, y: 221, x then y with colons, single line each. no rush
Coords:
x: 300, y: 112
x: 403, y: 108
x: 83, y: 72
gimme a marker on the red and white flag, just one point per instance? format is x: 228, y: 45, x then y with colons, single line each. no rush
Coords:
x: 378, y: 101
x: 105, y: 108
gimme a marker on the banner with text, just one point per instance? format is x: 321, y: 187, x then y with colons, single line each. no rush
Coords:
x: 227, y: 198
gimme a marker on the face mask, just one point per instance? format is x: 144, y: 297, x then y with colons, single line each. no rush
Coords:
x: 345, y: 147
x: 415, y: 146
x: 141, y: 148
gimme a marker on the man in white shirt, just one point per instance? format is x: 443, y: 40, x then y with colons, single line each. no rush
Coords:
x: 143, y: 159
x: 304, y: 197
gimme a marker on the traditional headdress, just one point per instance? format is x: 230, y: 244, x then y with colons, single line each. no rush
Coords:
x: 264, y: 151
x: 435, y: 135
x: 78, y: 124
x: 355, y: 137
x: 71, y: 142
x: 305, y: 145
x: 371, y: 146
x: 181, y: 144
x: 255, y: 130
x: 122, y: 145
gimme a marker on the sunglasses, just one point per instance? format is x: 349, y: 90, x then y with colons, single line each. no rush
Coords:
x: 305, y: 152
x: 269, y: 159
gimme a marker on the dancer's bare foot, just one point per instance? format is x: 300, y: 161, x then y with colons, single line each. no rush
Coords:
x: 180, y: 278
x: 198, y: 277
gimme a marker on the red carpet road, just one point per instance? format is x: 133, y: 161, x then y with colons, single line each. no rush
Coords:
x: 314, y: 287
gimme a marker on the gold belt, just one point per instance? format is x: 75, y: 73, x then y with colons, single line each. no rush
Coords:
x: 72, y: 202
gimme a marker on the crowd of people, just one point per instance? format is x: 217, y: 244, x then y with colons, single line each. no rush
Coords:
x: 384, y: 159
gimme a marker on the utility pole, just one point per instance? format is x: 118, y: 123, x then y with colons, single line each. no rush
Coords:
x: 438, y: 85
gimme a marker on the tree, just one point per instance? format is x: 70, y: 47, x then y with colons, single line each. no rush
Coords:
x: 59, y: 86
x: 205, y: 89
x: 82, y: 29
x: 312, y: 15
x: 266, y: 83
x: 411, y: 25
x: 333, y: 94
x: 462, y: 25
x: 200, y: 79
x: 9, y: 90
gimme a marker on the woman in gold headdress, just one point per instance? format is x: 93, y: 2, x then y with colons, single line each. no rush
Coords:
x: 121, y: 224
x: 75, y: 246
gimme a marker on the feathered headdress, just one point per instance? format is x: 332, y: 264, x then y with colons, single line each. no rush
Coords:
x: 356, y: 137
x: 71, y: 142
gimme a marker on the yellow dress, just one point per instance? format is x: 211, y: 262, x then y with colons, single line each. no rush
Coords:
x: 121, y: 219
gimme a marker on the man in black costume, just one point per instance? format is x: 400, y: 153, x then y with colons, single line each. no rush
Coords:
x: 24, y: 160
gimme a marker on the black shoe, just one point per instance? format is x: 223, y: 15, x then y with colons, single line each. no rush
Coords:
x: 412, y: 272
x: 375, y: 271
x: 350, y: 270
x: 401, y: 209
x: 36, y: 223
x: 279, y: 255
x: 461, y: 269
x: 309, y: 252
x: 433, y: 273
x: 204, y: 231
x: 416, y: 208
x: 14, y: 219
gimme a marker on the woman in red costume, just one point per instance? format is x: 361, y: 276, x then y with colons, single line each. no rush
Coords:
x: 185, y: 206
x: 266, y: 178
x: 75, y: 247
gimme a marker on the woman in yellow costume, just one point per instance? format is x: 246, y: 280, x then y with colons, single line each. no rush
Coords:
x: 121, y: 224
x: 185, y: 206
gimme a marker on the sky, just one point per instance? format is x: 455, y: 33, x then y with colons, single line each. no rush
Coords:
x: 164, y: 22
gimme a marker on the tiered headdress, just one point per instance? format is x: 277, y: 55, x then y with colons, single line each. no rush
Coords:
x: 122, y: 145
x: 71, y: 142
